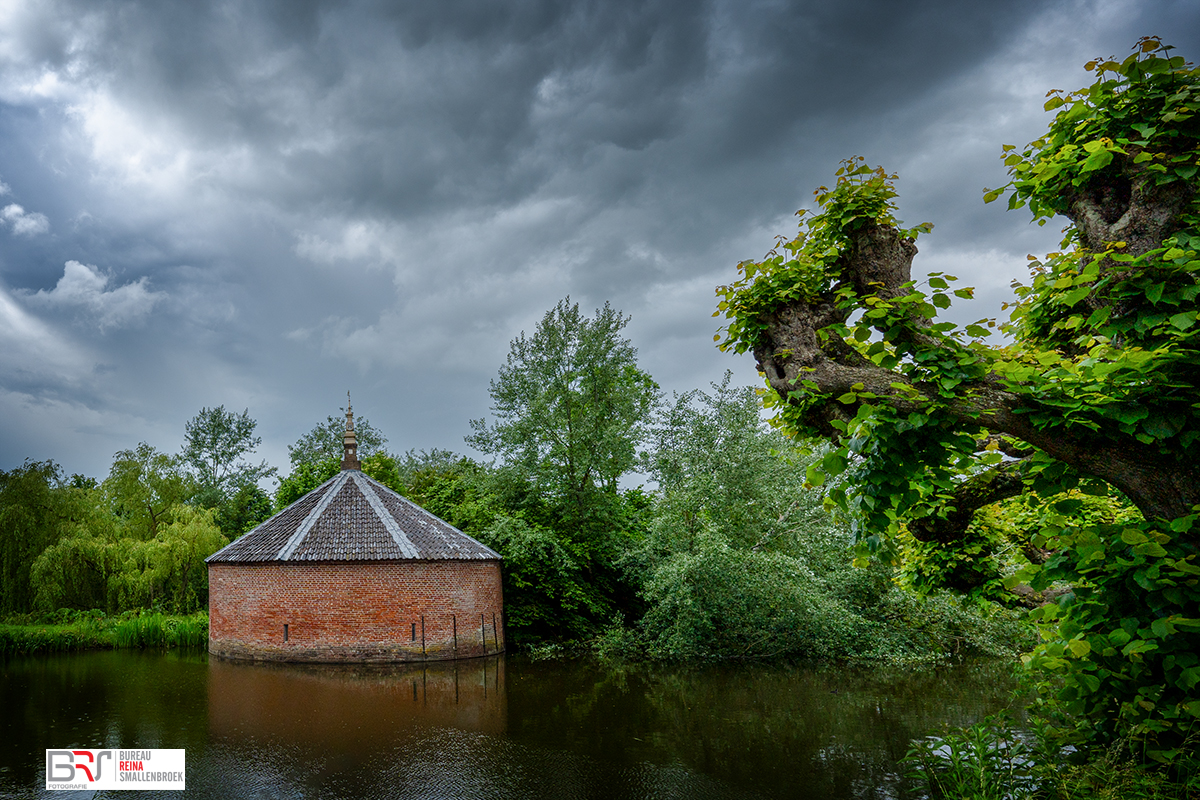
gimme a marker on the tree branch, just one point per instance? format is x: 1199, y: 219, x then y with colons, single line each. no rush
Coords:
x: 981, y: 489
x: 793, y: 349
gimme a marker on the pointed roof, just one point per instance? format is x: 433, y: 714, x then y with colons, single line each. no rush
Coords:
x: 352, y: 517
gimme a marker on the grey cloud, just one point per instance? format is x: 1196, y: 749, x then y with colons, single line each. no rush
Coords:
x: 379, y: 196
x: 24, y: 223
x: 86, y: 287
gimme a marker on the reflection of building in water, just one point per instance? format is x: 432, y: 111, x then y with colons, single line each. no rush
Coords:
x: 352, y: 571
x: 343, y: 707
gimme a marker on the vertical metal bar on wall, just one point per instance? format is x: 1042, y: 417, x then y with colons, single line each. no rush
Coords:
x: 422, y: 636
x: 454, y: 622
x: 495, y: 641
x: 483, y: 633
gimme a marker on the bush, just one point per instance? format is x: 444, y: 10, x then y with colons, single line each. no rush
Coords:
x: 997, y: 759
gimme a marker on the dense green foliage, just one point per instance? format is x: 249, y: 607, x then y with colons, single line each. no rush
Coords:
x: 991, y: 760
x: 138, y: 539
x: 741, y: 561
x: 571, y: 408
x: 571, y: 404
x: 1093, y: 391
x: 36, y: 509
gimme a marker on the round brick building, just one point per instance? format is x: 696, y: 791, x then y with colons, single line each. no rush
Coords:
x: 353, y: 571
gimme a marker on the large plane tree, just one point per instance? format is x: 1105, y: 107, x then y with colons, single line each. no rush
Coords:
x: 1091, y: 384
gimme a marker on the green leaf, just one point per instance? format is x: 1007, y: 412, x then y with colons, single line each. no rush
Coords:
x: 1139, y: 646
x: 1097, y: 160
x: 834, y: 464
x: 1150, y: 549
x: 1132, y: 536
x: 1075, y: 295
x: 814, y: 475
x: 1162, y: 628
x: 1184, y: 320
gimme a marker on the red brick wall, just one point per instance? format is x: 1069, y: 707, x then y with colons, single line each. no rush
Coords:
x: 355, y: 611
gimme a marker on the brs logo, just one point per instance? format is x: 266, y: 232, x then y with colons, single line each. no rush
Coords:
x: 61, y: 765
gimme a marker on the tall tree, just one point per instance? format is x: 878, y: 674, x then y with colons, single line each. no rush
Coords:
x: 216, y: 442
x: 143, y: 486
x: 571, y: 404
x: 572, y: 408
x: 1097, y: 383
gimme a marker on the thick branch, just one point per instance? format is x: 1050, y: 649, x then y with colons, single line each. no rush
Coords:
x: 1123, y: 203
x: 982, y: 489
x: 793, y: 350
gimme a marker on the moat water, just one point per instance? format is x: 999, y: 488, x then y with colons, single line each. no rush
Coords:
x: 500, y: 727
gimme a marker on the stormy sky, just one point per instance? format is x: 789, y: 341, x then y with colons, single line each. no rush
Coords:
x: 263, y: 204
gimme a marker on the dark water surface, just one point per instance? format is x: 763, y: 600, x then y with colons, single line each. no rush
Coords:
x: 501, y: 727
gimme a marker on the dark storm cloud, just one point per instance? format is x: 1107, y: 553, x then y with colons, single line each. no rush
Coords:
x: 370, y: 109
x: 267, y: 202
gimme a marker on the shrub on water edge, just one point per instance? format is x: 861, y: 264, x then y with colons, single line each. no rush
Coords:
x: 158, y: 630
x: 188, y: 632
x: 986, y: 761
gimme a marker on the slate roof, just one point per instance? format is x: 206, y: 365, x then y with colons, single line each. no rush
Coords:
x: 352, y: 517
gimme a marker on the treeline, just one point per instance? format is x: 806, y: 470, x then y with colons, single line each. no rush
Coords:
x: 730, y: 555
x: 137, y: 539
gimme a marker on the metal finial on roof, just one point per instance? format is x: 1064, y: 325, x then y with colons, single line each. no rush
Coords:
x: 350, y: 441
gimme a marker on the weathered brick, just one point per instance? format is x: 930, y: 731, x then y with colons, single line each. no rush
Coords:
x: 356, y: 611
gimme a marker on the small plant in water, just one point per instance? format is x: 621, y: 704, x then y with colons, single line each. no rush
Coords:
x: 987, y: 761
x: 995, y: 760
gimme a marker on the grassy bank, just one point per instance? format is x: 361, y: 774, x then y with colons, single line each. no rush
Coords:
x: 66, y: 630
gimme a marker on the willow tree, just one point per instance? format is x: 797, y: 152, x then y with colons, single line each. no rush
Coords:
x: 1093, y: 384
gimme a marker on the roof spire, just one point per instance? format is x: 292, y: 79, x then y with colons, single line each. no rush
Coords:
x: 349, y: 441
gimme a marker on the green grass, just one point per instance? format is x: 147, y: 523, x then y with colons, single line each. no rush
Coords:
x: 66, y: 631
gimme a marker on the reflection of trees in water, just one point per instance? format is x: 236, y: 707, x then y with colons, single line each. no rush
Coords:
x: 777, y: 728
x: 504, y: 728
x: 96, y: 700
